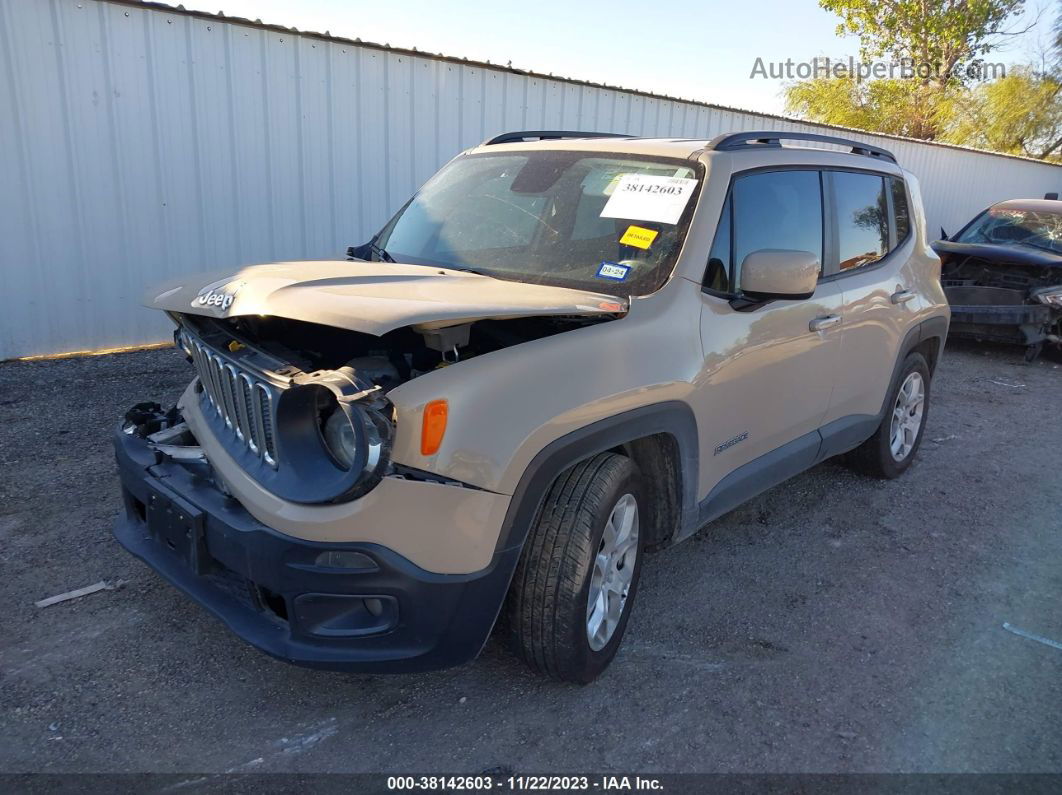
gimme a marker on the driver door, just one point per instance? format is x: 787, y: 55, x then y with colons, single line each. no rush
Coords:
x: 769, y: 369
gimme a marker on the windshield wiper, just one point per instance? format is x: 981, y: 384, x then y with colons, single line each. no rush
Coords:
x: 467, y: 270
x: 380, y: 251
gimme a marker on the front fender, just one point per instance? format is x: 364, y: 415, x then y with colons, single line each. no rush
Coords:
x: 507, y: 406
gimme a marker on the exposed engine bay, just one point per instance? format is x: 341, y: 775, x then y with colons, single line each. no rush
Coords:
x: 303, y: 407
x: 1003, y: 299
x: 395, y: 357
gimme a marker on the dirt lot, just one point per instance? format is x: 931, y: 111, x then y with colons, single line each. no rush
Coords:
x: 834, y: 624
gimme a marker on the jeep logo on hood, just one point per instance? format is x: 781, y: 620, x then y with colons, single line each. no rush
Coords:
x: 218, y: 296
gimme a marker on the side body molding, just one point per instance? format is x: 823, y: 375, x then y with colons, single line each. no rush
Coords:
x: 794, y: 457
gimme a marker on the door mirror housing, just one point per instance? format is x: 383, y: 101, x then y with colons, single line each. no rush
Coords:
x: 776, y: 273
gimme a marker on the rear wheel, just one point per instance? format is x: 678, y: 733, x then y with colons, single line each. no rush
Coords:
x: 573, y: 589
x: 889, y: 452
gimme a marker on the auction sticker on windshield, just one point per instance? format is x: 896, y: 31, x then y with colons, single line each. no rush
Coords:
x: 646, y: 197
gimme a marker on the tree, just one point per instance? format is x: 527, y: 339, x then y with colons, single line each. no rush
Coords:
x: 895, y: 107
x: 941, y: 40
x: 940, y: 33
x: 1018, y: 114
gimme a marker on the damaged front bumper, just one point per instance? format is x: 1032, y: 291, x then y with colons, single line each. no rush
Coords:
x: 344, y: 606
x: 1029, y: 324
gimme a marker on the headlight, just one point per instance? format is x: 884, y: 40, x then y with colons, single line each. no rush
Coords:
x: 330, y: 451
x: 340, y: 439
x: 343, y: 440
x: 356, y: 438
x: 1049, y: 295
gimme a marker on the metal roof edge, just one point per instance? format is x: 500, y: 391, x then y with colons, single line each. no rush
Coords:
x: 152, y: 5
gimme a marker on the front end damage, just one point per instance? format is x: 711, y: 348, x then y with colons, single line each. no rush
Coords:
x: 1001, y: 294
x: 270, y: 496
x: 353, y: 606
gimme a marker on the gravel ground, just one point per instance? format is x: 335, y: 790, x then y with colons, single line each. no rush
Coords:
x: 834, y: 624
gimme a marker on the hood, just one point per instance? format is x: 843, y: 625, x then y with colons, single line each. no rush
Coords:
x: 1014, y: 255
x: 371, y: 297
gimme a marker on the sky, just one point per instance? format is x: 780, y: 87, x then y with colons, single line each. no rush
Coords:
x: 702, y: 50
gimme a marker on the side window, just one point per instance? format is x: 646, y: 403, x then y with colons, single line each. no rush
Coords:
x: 717, y: 275
x: 899, y: 209
x: 862, y: 218
x: 776, y: 209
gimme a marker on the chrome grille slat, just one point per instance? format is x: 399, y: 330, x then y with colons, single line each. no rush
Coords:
x: 232, y: 385
x: 251, y: 434
x: 264, y: 405
x: 219, y: 379
x: 243, y: 401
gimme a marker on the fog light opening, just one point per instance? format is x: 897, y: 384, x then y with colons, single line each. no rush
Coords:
x: 345, y: 559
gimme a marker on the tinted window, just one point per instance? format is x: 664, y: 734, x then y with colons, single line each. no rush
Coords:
x: 899, y: 208
x: 862, y: 218
x: 777, y: 209
x: 717, y: 276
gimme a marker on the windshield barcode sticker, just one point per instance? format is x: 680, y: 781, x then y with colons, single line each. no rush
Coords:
x: 644, y: 197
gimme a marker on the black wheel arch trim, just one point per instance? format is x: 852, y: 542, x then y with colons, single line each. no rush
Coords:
x: 671, y: 417
x: 934, y: 328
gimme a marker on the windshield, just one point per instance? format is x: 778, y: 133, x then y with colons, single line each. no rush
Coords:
x: 593, y: 221
x: 1016, y: 227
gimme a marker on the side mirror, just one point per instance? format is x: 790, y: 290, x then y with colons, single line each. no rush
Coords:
x: 779, y: 273
x: 943, y: 234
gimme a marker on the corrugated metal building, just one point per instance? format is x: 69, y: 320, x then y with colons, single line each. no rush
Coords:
x: 140, y: 142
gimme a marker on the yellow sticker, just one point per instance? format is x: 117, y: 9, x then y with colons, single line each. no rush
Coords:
x: 639, y: 237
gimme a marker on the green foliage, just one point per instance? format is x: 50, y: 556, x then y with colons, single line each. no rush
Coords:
x: 943, y: 33
x: 1019, y: 114
x: 892, y: 106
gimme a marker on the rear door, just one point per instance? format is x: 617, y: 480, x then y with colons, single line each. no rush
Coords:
x: 873, y: 242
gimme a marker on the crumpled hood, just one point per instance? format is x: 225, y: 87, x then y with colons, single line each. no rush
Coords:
x: 1000, y: 253
x: 370, y: 297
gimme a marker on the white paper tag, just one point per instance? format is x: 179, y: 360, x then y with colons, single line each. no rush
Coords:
x: 645, y: 197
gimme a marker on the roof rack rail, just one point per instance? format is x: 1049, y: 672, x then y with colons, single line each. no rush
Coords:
x: 547, y: 135
x: 731, y: 142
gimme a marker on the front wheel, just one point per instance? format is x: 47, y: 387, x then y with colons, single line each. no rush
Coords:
x: 889, y: 452
x: 574, y: 586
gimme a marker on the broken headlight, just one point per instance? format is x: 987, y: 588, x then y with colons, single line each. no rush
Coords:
x: 1049, y: 295
x: 332, y: 448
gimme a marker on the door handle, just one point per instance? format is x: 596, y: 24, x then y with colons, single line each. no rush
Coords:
x: 823, y: 323
x: 902, y: 297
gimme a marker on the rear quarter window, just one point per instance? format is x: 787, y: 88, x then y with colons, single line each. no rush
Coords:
x: 901, y: 213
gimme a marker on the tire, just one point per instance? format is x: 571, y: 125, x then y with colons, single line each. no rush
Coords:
x: 875, y: 456
x: 547, y: 611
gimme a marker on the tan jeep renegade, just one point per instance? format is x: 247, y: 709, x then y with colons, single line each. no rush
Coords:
x: 567, y: 350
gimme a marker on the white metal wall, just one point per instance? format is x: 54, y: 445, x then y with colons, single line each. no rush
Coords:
x: 138, y: 143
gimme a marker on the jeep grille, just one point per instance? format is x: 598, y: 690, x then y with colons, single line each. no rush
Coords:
x: 244, y: 402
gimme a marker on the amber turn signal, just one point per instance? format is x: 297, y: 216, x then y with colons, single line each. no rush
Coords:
x: 434, y: 427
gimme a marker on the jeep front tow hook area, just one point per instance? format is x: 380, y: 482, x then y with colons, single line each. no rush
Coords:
x: 165, y: 431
